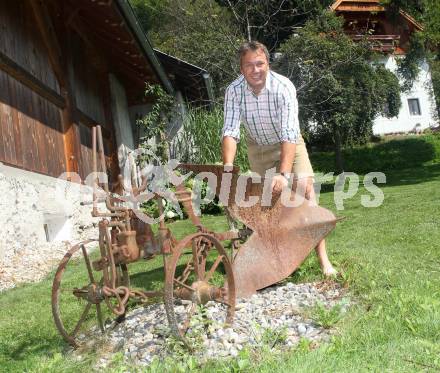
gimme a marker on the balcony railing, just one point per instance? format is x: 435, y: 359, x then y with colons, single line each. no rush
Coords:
x: 381, y: 43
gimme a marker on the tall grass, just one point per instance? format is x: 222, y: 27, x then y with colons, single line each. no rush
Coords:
x: 199, y: 140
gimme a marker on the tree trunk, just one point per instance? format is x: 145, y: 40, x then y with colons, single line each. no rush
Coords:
x: 338, y: 150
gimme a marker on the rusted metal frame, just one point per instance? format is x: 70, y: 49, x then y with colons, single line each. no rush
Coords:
x: 225, y: 236
x: 56, y: 289
x: 195, y: 252
x: 81, y: 320
x: 27, y: 79
x: 183, y: 193
x: 199, y: 290
x: 211, y: 271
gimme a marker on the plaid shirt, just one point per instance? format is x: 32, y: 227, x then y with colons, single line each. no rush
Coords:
x: 270, y: 118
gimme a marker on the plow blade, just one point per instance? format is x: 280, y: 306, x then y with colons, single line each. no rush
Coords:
x: 281, y: 240
x: 282, y: 235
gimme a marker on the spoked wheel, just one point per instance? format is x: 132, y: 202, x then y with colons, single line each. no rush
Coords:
x: 77, y: 294
x: 196, y: 279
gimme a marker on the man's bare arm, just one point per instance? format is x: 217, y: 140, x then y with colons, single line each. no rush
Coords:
x: 229, y: 148
x: 287, y: 156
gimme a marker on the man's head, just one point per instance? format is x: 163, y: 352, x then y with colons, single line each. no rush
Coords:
x: 254, y: 64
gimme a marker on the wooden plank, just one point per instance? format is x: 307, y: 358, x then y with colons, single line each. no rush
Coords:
x: 54, y: 133
x: 12, y: 83
x: 32, y: 130
x: 24, y: 77
x: 7, y: 125
x: 59, y: 140
x: 48, y: 33
x: 107, y: 99
x: 45, y: 156
x: 4, y: 101
x: 26, y: 133
x: 360, y: 8
x: 56, y: 141
x: 90, y: 122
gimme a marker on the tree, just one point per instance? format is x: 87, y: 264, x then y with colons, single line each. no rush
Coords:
x: 424, y: 44
x: 340, y: 89
x: 272, y: 22
x: 198, y: 31
x: 208, y: 33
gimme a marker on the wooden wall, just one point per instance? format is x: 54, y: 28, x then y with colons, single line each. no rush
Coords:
x: 31, y: 134
x: 33, y: 118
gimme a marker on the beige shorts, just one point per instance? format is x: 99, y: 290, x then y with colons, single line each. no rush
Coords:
x: 265, y: 157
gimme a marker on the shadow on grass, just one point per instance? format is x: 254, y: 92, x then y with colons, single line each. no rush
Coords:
x: 153, y: 279
x: 422, y: 174
x: 387, y: 156
x: 32, y: 346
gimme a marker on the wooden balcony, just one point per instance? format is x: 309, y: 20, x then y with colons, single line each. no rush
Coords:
x: 380, y: 43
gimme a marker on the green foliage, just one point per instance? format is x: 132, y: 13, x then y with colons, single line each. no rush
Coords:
x: 409, y: 67
x: 340, y: 92
x: 326, y: 317
x: 271, y: 21
x: 200, y: 139
x: 154, y: 124
x: 272, y: 337
x: 198, y: 31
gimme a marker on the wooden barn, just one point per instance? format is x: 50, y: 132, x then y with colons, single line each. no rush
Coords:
x: 65, y: 66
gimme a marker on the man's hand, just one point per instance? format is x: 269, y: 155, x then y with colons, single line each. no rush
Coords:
x: 279, y: 182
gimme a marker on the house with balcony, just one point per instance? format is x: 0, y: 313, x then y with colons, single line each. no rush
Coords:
x: 390, y: 35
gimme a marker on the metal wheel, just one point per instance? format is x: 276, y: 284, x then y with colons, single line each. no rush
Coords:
x: 198, y: 277
x: 77, y: 294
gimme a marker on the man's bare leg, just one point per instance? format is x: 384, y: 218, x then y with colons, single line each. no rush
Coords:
x: 326, y: 266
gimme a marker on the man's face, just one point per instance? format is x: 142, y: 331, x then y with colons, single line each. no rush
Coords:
x: 254, y: 67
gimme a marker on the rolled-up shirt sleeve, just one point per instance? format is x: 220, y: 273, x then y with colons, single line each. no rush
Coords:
x: 290, y: 130
x: 231, y: 125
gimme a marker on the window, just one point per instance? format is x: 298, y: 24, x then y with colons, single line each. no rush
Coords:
x: 414, y: 106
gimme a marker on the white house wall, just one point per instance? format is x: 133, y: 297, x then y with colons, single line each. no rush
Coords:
x: 421, y: 90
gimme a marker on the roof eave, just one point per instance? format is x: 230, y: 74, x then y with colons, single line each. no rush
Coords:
x: 128, y: 14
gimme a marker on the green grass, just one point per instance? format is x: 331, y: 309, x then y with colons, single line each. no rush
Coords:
x: 390, y: 257
x: 28, y: 338
x: 389, y: 155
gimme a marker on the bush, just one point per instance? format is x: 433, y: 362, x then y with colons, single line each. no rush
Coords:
x: 199, y: 140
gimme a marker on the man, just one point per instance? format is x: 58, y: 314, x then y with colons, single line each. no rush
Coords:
x: 266, y: 104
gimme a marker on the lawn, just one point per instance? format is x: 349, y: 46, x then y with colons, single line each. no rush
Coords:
x: 389, y: 256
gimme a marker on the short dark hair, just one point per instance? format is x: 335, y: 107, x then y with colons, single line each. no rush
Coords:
x: 252, y: 46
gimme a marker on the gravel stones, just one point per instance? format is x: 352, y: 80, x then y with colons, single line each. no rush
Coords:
x: 276, y: 316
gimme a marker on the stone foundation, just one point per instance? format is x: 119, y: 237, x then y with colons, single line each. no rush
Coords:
x: 40, y: 216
